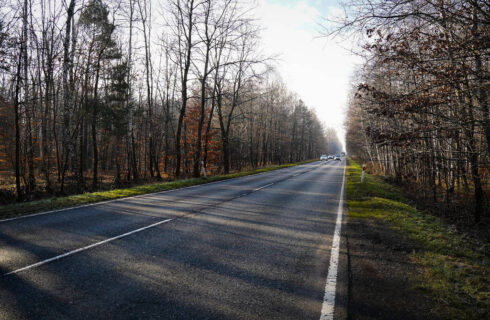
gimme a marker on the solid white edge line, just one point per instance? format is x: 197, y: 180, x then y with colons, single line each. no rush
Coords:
x: 331, y: 284
x: 69, y: 253
x: 139, y: 196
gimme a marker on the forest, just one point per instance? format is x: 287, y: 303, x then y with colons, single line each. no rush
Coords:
x: 418, y: 110
x: 97, y: 94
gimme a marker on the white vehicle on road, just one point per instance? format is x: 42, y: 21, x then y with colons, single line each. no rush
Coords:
x: 323, y: 157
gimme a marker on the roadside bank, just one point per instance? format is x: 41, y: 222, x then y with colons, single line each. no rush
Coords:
x: 406, y: 264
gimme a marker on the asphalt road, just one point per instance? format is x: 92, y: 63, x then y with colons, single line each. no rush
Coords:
x: 256, y: 247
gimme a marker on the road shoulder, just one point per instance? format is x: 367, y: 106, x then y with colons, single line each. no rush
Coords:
x: 342, y: 291
x: 381, y: 274
x: 406, y: 263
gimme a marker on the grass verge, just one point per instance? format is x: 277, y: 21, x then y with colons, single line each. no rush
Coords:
x: 456, y: 269
x: 24, y: 208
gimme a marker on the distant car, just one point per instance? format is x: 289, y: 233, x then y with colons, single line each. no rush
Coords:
x: 330, y: 156
x: 323, y: 157
x: 337, y: 157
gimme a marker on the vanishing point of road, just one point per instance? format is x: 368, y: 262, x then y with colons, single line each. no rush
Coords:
x: 257, y: 247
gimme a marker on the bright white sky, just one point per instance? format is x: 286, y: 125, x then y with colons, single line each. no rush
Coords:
x: 317, y: 69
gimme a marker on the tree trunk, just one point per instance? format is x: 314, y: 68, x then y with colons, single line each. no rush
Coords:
x: 17, y: 129
x: 66, y: 93
x: 185, y: 74
x: 31, y: 186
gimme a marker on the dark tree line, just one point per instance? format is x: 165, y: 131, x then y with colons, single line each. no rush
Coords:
x: 109, y: 92
x: 420, y: 109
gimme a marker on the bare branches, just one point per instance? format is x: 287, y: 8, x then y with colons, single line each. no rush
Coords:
x: 421, y: 106
x: 117, y: 94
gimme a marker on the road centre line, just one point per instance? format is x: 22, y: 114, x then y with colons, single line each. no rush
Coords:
x: 40, y: 263
x: 139, y: 196
x: 263, y: 187
x: 69, y: 253
x: 331, y: 284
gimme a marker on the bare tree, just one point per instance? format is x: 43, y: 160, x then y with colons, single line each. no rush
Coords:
x: 183, y: 26
x: 80, y: 106
x: 421, y: 101
x: 66, y: 91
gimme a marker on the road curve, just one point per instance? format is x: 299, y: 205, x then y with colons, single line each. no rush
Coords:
x: 256, y: 247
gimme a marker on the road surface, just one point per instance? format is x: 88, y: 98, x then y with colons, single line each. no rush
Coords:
x: 256, y: 247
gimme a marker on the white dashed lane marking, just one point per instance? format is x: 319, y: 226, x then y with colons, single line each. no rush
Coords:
x: 69, y: 253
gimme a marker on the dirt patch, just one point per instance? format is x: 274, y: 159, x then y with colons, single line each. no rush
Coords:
x: 381, y: 274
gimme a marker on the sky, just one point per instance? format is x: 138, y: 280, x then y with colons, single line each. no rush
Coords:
x: 316, y: 68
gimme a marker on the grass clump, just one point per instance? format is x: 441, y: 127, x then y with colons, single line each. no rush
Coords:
x: 55, y: 203
x: 456, y: 270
